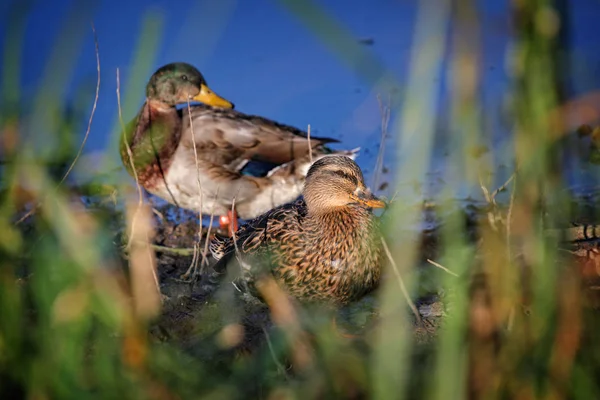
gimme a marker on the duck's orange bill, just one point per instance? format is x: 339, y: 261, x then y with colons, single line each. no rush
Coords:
x: 374, y: 203
x: 210, y: 98
x: 369, y: 199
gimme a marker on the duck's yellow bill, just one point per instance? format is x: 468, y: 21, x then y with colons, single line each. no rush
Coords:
x: 210, y: 98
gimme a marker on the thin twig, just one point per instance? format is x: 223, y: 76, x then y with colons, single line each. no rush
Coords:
x: 87, y: 132
x: 440, y: 266
x: 193, y: 268
x: 89, y: 126
x: 504, y: 185
x: 401, y: 281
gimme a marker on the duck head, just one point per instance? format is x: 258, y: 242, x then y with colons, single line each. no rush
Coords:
x: 179, y: 83
x: 334, y: 182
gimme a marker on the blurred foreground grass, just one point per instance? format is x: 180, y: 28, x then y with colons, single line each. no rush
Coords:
x: 81, y: 317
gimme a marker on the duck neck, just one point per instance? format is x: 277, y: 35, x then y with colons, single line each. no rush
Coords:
x: 341, y: 221
x: 151, y: 138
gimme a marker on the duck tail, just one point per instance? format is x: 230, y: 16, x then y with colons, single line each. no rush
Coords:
x: 284, y: 183
x: 348, y: 153
x: 299, y: 167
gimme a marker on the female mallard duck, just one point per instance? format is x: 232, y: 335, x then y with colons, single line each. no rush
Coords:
x: 193, y: 157
x: 323, y: 248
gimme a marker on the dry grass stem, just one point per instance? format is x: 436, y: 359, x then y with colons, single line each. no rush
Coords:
x: 134, y: 258
x: 197, y: 171
x: 210, y: 223
x: 504, y: 185
x: 493, y: 216
x: 510, y: 322
x: 193, y: 268
x: 129, y: 152
x: 85, y: 136
x: 237, y: 251
x: 142, y: 262
x: 279, y: 365
x: 194, y: 263
x: 174, y: 250
x: 486, y: 192
x: 389, y: 203
x: 158, y: 214
x: 401, y: 281
x: 89, y: 126
x: 285, y: 316
x: 509, y: 217
x: 440, y: 266
x: 207, y: 240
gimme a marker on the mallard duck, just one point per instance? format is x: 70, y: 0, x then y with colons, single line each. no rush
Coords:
x: 321, y: 248
x: 193, y: 156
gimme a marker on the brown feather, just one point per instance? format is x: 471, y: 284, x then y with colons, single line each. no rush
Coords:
x: 320, y: 250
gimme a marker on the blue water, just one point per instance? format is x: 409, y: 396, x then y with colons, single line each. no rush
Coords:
x: 265, y: 58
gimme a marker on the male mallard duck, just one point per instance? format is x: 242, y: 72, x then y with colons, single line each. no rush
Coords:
x: 323, y: 248
x: 180, y: 153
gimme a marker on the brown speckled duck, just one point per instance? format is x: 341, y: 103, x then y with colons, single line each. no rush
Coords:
x: 174, y: 148
x: 323, y: 248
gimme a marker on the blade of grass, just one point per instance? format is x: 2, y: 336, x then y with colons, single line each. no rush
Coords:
x: 390, y: 369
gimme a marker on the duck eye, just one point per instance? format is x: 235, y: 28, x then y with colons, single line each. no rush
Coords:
x: 184, y: 77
